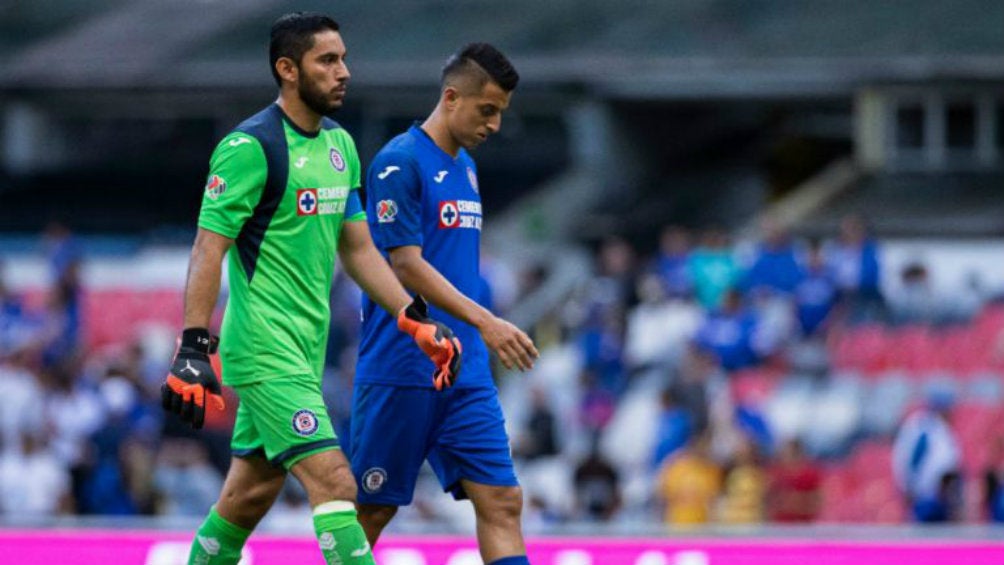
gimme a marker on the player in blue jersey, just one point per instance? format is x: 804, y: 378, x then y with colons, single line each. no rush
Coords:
x: 425, y: 214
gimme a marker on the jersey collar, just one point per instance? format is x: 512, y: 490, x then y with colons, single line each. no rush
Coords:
x: 292, y: 124
x: 425, y: 139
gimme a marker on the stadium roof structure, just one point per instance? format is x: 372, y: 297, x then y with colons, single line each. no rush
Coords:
x: 629, y: 48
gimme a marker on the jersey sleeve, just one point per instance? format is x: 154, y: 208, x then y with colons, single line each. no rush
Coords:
x: 237, y: 173
x: 394, y: 191
x: 354, y: 211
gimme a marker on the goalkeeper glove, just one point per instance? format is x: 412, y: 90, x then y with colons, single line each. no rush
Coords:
x: 192, y: 381
x: 435, y: 339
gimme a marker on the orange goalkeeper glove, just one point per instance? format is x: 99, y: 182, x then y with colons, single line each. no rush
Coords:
x: 192, y: 380
x: 435, y: 339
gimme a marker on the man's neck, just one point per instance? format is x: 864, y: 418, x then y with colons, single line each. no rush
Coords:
x: 298, y: 113
x: 435, y: 126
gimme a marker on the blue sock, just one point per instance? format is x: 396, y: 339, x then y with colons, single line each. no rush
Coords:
x: 513, y: 560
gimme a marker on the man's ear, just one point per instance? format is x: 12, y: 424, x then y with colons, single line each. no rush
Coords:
x: 450, y: 97
x: 287, y: 69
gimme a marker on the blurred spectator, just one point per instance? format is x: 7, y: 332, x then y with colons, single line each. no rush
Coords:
x: 993, y: 482
x: 538, y: 438
x: 671, y: 263
x: 64, y: 253
x: 925, y: 458
x: 613, y: 286
x: 74, y: 412
x: 22, y: 395
x: 695, y: 377
x: 65, y: 260
x: 674, y: 428
x: 603, y: 349
x: 11, y: 318
x: 795, y: 493
x: 597, y: 404
x: 500, y: 282
x: 712, y: 268
x: 597, y: 486
x: 915, y: 302
x: 729, y: 333
x: 744, y: 489
x: 658, y: 329
x: 854, y: 261
x: 33, y: 481
x: 188, y: 484
x: 689, y: 484
x: 774, y: 268
x: 816, y: 293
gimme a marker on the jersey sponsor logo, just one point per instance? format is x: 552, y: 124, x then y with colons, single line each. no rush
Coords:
x: 374, y: 479
x: 473, y: 178
x: 215, y: 186
x: 386, y: 211
x: 337, y: 161
x: 321, y: 201
x: 300, y: 162
x: 459, y: 214
x: 238, y: 141
x: 306, y: 202
x: 387, y: 171
x: 440, y: 176
x: 305, y: 422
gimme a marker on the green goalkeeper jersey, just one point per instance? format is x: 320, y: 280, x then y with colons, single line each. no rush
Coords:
x: 282, y: 194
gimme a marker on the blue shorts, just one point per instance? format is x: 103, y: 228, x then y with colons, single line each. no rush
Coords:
x: 460, y: 431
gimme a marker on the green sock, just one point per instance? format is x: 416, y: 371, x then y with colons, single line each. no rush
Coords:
x: 340, y: 536
x: 217, y: 542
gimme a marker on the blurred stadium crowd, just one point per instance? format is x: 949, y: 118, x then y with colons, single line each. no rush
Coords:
x: 712, y: 381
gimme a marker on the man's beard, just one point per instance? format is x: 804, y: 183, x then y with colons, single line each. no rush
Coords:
x: 315, y: 99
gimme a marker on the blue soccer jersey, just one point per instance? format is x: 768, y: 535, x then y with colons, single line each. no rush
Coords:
x: 417, y: 194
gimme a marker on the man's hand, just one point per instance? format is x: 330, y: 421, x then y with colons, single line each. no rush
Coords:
x: 435, y: 339
x: 514, y: 348
x: 192, y: 382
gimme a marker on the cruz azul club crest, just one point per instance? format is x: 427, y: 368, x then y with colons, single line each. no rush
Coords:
x: 337, y: 161
x: 305, y: 422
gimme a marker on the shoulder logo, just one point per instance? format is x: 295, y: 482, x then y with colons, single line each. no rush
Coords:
x: 440, y: 176
x: 387, y: 172
x: 306, y: 202
x: 215, y: 186
x: 386, y: 211
x: 305, y: 422
x: 238, y: 141
x: 473, y: 178
x: 337, y: 161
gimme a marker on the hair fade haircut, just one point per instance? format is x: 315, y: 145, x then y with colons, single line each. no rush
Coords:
x: 293, y: 35
x: 483, y: 62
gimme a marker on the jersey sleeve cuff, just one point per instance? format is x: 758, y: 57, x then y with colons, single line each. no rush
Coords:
x: 218, y: 229
x: 358, y: 217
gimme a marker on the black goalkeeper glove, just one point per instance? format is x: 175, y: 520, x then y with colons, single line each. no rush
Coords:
x: 192, y: 380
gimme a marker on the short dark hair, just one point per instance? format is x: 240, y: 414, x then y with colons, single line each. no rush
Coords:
x: 483, y: 61
x: 293, y: 35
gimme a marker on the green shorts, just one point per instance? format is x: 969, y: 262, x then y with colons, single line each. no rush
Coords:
x: 283, y: 420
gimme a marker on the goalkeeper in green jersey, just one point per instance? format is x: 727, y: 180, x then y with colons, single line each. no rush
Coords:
x: 280, y: 201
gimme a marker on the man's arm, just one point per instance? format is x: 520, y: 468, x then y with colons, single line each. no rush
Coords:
x: 202, y: 287
x: 192, y: 381
x: 366, y: 266
x: 514, y: 348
